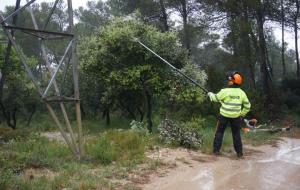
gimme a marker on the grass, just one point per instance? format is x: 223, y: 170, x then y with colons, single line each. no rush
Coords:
x: 116, y: 145
x: 112, y: 154
x: 96, y: 126
x: 260, y: 138
x: 208, y: 138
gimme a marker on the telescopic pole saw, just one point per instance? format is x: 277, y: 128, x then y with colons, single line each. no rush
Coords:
x: 170, y: 65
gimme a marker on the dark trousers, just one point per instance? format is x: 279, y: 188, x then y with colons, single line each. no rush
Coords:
x: 235, y: 129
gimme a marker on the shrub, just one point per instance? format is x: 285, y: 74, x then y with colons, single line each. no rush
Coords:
x: 139, y: 127
x: 292, y: 100
x: 264, y: 108
x: 291, y: 85
x: 104, y: 151
x: 185, y: 135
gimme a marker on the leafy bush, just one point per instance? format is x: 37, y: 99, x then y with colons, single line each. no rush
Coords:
x: 264, y: 108
x: 139, y: 127
x: 185, y: 135
x: 291, y: 85
x: 104, y: 151
x: 292, y: 100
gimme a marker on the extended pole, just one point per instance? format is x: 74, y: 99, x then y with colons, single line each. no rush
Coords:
x: 170, y: 65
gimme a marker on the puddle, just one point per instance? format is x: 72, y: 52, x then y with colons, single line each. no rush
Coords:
x: 289, y: 152
x: 205, y: 179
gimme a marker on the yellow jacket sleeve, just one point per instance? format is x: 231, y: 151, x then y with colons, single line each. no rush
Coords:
x: 218, y: 97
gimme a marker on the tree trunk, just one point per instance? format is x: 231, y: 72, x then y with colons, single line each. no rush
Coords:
x: 296, y: 37
x: 107, y: 116
x: 184, y: 15
x: 256, y: 47
x: 263, y: 57
x: 14, y: 118
x: 296, y: 47
x: 127, y: 108
x: 282, y: 41
x: 233, y: 27
x: 269, y: 66
x: 164, y: 17
x: 141, y: 114
x: 10, y: 117
x: 246, y: 31
x: 249, y: 60
x: 149, y: 110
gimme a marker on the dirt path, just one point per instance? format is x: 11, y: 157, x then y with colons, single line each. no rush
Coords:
x: 264, y: 167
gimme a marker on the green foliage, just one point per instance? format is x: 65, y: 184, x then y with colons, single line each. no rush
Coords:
x: 95, y: 15
x: 291, y: 88
x: 264, y: 108
x: 260, y: 138
x: 17, y: 92
x: 119, y: 146
x: 185, y: 92
x: 35, y: 152
x: 139, y: 127
x: 121, y: 68
x: 183, y: 134
x: 103, y: 151
x: 146, y: 7
x: 124, y: 62
x: 185, y: 100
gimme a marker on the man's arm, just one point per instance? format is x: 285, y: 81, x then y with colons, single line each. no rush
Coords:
x: 216, y: 97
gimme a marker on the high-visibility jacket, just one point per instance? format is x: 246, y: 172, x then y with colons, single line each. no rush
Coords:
x: 234, y: 102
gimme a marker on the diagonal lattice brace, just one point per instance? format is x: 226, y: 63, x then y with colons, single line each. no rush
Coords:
x: 42, y: 35
x: 50, y: 14
x: 57, y: 69
x: 17, y: 11
x: 21, y: 55
x: 48, y: 65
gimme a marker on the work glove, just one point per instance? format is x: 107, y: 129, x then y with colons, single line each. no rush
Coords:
x: 210, y: 94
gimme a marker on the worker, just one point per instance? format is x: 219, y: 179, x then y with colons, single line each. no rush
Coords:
x: 234, y: 106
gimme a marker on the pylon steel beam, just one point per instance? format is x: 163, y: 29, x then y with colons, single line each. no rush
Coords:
x: 50, y: 33
x: 18, y: 11
x: 76, y: 146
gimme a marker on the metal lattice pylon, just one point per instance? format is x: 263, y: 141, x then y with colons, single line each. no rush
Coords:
x: 42, y: 34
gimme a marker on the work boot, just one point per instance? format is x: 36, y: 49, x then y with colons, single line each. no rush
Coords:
x: 240, y: 155
x: 216, y: 153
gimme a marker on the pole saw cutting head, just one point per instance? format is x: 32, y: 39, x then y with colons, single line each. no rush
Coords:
x: 251, y: 126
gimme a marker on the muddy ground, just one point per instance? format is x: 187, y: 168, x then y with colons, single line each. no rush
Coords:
x: 274, y: 166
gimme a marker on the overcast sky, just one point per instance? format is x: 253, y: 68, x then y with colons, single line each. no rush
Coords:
x: 76, y: 3
x: 289, y: 37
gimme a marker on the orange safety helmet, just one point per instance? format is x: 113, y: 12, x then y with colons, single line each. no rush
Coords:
x: 235, y: 78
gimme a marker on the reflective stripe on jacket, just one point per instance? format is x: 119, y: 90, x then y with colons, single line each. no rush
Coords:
x: 234, y: 102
